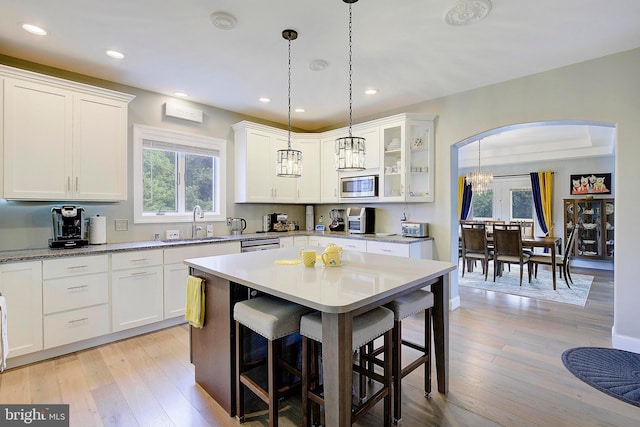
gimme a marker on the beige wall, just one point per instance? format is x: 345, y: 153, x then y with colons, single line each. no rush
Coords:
x: 604, y: 90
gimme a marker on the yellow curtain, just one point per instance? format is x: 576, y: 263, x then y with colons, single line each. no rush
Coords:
x: 460, y: 194
x: 546, y: 194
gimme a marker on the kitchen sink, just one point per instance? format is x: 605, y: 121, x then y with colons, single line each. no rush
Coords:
x: 194, y: 239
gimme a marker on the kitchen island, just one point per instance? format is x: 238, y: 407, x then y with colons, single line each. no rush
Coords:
x: 364, y: 281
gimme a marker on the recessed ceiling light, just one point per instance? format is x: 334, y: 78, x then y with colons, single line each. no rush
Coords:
x: 223, y: 20
x: 466, y: 12
x: 115, y: 54
x: 180, y: 94
x: 371, y: 91
x: 299, y: 110
x: 34, y: 29
x: 264, y: 99
x: 318, y: 65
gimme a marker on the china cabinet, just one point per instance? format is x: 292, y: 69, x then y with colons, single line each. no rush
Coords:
x: 79, y: 133
x: 594, y: 219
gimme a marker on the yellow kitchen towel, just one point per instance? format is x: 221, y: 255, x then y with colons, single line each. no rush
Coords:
x: 194, y: 311
x: 4, y: 343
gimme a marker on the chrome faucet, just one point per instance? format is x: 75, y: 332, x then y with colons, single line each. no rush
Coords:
x: 197, y: 210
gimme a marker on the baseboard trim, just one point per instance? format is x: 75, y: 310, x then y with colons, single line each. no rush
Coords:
x: 624, y: 342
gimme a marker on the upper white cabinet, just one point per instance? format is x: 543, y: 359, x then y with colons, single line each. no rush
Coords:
x: 62, y: 140
x: 255, y: 154
x: 400, y: 149
x: 407, y: 173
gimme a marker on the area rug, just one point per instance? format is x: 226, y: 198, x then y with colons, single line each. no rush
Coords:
x: 614, y: 372
x: 539, y: 288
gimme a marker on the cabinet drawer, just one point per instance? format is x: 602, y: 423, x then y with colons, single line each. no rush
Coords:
x: 300, y: 240
x: 350, y: 244
x: 73, y: 266
x: 76, y: 325
x: 136, y: 259
x: 384, y: 248
x: 75, y: 292
x: 174, y: 255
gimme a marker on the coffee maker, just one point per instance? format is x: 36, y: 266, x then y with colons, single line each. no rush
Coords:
x: 337, y: 219
x: 68, y: 227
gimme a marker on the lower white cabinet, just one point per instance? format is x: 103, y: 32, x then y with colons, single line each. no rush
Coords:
x: 21, y: 285
x: 176, y: 272
x: 75, y: 299
x: 136, y: 289
x: 386, y: 248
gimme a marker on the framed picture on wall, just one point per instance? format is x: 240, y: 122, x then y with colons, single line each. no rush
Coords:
x: 593, y: 183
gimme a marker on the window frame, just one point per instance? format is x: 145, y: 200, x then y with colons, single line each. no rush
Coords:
x: 141, y: 133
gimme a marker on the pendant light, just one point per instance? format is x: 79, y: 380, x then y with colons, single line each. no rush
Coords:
x: 478, y: 178
x: 350, y: 150
x: 289, y: 162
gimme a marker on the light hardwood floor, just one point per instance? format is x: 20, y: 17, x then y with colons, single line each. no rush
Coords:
x: 505, y: 370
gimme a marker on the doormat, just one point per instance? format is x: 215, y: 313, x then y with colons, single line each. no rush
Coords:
x: 612, y: 371
x: 539, y: 288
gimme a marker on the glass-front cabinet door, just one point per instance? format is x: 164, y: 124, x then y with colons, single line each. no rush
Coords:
x: 407, y: 173
x: 594, y: 219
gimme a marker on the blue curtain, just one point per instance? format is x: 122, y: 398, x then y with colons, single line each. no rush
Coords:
x: 537, y: 201
x: 467, y: 195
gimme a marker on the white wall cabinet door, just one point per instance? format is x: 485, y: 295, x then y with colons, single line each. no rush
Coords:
x: 21, y: 285
x: 308, y: 185
x: 100, y: 148
x: 330, y: 179
x: 37, y: 141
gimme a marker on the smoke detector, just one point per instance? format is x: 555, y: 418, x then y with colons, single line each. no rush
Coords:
x: 466, y: 12
x: 223, y: 20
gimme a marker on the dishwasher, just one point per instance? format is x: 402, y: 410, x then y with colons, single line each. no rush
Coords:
x: 259, y: 245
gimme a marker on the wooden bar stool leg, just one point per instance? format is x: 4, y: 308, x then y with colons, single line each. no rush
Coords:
x: 427, y: 350
x: 273, y: 347
x: 239, y: 370
x: 396, y: 370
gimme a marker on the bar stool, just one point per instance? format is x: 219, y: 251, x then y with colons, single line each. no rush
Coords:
x: 366, y: 327
x: 274, y: 319
x: 403, y: 307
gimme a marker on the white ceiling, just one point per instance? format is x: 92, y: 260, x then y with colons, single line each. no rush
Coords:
x: 403, y: 49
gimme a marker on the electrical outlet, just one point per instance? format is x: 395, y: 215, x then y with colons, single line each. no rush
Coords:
x: 229, y: 221
x: 209, y: 230
x: 122, y: 224
x: 172, y: 234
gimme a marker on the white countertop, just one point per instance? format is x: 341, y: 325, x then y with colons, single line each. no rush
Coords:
x: 360, y: 280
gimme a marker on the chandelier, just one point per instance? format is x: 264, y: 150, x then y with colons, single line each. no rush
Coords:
x: 479, y: 179
x: 289, y: 162
x: 350, y: 150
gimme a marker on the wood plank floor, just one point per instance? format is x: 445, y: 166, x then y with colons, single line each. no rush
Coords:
x: 505, y: 371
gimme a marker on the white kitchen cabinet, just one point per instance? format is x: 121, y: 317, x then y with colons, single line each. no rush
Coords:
x: 345, y: 243
x: 308, y: 185
x: 21, y: 285
x: 419, y: 249
x: 136, y: 288
x: 286, y: 242
x: 176, y: 272
x: 300, y: 241
x: 371, y: 134
x: 255, y: 154
x: 62, y: 140
x: 407, y: 170
x: 329, y: 176
x: 75, y: 299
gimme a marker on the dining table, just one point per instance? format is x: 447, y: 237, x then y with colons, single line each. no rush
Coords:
x: 360, y: 283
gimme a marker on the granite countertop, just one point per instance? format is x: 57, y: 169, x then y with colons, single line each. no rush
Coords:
x: 45, y: 253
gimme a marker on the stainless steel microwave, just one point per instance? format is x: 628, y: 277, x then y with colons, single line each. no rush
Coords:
x: 359, y: 186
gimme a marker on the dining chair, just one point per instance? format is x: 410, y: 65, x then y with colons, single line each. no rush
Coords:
x: 475, y: 246
x: 527, y: 230
x: 507, y: 248
x: 562, y: 261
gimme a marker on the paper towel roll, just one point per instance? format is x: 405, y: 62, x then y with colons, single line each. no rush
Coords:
x: 97, y: 230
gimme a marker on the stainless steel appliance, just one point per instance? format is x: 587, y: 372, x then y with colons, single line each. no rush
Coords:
x: 278, y: 221
x: 68, y: 227
x: 359, y: 186
x: 259, y: 245
x: 238, y: 225
x: 414, y: 229
x: 361, y: 220
x: 337, y: 219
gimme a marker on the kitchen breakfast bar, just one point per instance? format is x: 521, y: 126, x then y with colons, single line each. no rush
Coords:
x: 362, y: 282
